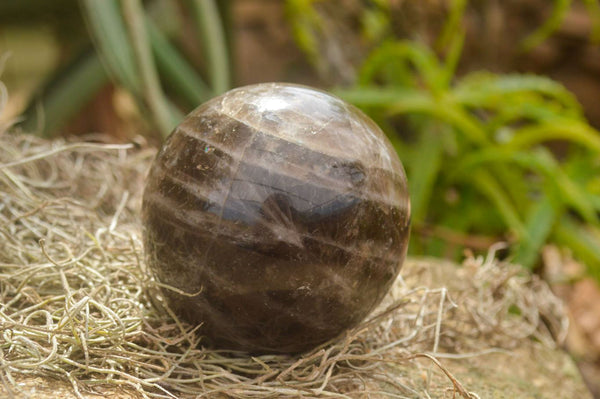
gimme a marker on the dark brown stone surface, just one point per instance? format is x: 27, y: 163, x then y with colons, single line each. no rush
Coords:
x: 287, y: 209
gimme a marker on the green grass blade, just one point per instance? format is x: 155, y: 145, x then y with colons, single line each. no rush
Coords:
x: 452, y: 58
x: 464, y: 122
x: 561, y: 7
x: 489, y: 187
x: 502, y: 125
x: 539, y: 223
x: 584, y: 169
x: 175, y: 69
x: 404, y: 99
x: 212, y: 37
x: 572, y: 194
x: 398, y: 101
x: 483, y: 89
x: 453, y: 23
x: 568, y: 129
x: 425, y: 67
x: 306, y: 23
x: 582, y: 241
x: 66, y: 94
x: 134, y: 14
x: 593, y: 12
x: 108, y: 31
x: 424, y: 168
x: 540, y: 161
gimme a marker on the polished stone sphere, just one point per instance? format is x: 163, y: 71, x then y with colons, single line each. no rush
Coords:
x: 284, y: 209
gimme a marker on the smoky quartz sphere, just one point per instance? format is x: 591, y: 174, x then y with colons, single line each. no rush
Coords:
x: 283, y: 209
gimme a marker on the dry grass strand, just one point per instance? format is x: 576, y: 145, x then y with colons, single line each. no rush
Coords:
x: 77, y: 303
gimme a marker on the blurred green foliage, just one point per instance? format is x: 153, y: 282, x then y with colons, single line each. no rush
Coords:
x: 476, y: 155
x: 559, y: 13
x: 135, y: 51
x: 479, y: 150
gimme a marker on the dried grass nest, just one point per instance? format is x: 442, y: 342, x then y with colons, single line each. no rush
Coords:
x: 77, y: 304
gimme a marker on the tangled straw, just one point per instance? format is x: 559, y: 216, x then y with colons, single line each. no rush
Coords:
x: 77, y: 304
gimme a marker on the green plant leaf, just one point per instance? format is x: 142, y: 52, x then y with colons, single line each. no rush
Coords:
x: 425, y: 165
x: 454, y: 52
x: 65, y: 94
x: 572, y: 194
x: 539, y: 223
x: 165, y: 116
x: 484, y: 89
x: 559, y: 11
x: 398, y: 101
x: 584, y: 241
x: 214, y: 43
x: 110, y: 36
x: 375, y: 22
x: 465, y: 123
x: 560, y: 129
x: 404, y: 99
x: 510, y: 117
x: 540, y: 161
x: 453, y: 23
x: 428, y: 69
x: 176, y: 70
x: 306, y: 24
x: 492, y: 142
x: 593, y: 11
x: 489, y: 187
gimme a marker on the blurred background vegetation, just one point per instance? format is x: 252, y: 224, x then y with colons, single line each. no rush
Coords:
x: 491, y: 104
x: 493, y: 151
